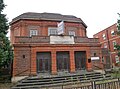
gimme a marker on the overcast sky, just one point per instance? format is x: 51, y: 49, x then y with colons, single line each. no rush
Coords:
x: 97, y: 14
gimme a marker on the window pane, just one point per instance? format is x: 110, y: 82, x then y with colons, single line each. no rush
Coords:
x: 112, y: 33
x: 72, y: 33
x: 52, y: 31
x: 104, y: 36
x: 33, y: 32
x: 114, y: 43
x: 117, y: 59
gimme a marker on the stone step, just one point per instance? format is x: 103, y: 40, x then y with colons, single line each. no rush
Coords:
x: 58, y: 84
x: 39, y: 82
x: 46, y: 80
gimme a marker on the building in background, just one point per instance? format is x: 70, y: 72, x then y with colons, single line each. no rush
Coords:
x: 108, y: 39
x: 38, y: 48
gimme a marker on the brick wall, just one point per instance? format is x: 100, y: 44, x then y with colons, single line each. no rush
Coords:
x: 21, y: 28
x: 109, y: 40
x: 21, y: 65
x: 25, y: 49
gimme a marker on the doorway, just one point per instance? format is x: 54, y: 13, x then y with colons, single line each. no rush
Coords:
x: 43, y: 62
x: 80, y: 60
x: 63, y: 61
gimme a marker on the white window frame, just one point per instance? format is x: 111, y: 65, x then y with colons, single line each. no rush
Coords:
x: 105, y: 45
x: 71, y: 33
x: 33, y: 32
x: 52, y: 31
x: 114, y: 43
x: 112, y: 33
x: 104, y: 36
x: 103, y: 59
x: 116, y: 59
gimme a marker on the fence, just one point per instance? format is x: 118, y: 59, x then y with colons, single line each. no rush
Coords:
x: 106, y: 84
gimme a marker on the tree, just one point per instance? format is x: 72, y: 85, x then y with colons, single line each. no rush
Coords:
x: 118, y: 33
x: 5, y: 48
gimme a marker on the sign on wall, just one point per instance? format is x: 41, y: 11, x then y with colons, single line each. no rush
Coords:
x: 62, y: 40
x: 60, y: 29
x: 94, y: 58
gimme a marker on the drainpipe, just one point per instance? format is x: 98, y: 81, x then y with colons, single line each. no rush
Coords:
x: 30, y: 60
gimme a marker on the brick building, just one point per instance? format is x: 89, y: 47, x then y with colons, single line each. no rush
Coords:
x: 39, y: 49
x: 108, y: 39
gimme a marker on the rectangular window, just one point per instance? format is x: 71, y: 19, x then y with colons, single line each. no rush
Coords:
x: 71, y: 33
x: 103, y: 59
x: 104, y: 36
x: 105, y: 45
x: 114, y: 43
x: 116, y: 59
x: 52, y: 31
x: 33, y: 32
x: 112, y: 33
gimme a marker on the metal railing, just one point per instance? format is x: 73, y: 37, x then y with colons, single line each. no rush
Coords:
x: 104, y: 84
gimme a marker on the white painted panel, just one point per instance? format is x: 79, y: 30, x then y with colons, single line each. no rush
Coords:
x: 62, y: 40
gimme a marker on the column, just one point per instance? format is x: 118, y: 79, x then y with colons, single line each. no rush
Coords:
x: 53, y: 63
x: 72, y: 61
x: 88, y: 61
x: 33, y: 62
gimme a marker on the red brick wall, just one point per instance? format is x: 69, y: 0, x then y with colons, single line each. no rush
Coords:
x: 42, y: 26
x: 21, y: 63
x: 23, y: 66
x: 27, y: 65
x: 109, y: 40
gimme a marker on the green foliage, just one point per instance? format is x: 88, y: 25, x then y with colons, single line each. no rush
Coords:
x: 5, y: 48
x: 118, y: 33
x: 116, y: 72
x: 1, y: 6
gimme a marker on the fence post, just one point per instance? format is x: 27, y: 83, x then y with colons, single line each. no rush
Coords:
x: 119, y: 81
x: 62, y: 86
x: 93, y: 85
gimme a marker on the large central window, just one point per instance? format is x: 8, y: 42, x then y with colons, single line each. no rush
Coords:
x: 52, y: 31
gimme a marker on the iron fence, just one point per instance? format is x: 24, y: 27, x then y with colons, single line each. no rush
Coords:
x: 106, y: 84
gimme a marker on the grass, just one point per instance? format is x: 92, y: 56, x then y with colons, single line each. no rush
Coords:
x: 116, y: 73
x: 6, y: 85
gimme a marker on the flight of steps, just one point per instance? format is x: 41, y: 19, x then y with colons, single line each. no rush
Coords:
x: 42, y: 82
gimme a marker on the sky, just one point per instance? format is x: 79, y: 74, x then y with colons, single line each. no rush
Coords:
x: 96, y: 14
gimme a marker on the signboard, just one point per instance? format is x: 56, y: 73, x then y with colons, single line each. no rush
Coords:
x: 60, y: 29
x: 62, y: 40
x: 94, y: 58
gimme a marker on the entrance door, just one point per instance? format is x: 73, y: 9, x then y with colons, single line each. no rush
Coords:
x: 62, y: 61
x: 80, y: 60
x: 43, y: 62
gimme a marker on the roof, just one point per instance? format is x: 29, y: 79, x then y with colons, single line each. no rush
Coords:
x: 48, y: 16
x: 108, y: 28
